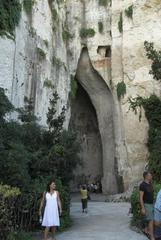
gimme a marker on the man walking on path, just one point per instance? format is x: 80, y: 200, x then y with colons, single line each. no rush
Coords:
x: 146, y: 202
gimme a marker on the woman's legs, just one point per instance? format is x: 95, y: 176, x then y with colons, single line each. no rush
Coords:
x: 53, y: 230
x: 46, y: 233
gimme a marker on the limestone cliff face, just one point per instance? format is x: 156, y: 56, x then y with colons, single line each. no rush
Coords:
x: 43, y: 53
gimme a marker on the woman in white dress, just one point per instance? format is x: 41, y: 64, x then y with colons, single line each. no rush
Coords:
x: 52, y: 209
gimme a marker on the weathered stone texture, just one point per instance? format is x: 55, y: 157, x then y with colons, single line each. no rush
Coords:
x: 114, y: 56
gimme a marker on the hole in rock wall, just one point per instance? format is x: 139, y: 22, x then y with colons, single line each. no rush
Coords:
x: 104, y: 51
x: 84, y: 122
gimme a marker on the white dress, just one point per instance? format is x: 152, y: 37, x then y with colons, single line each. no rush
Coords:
x: 51, y: 213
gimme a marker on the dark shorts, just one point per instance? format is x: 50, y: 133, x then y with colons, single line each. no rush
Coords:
x: 149, y: 209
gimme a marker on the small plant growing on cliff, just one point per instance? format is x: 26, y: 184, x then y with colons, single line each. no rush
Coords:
x: 129, y: 12
x: 100, y: 27
x: 66, y: 35
x: 27, y: 5
x: 104, y: 2
x: 46, y: 43
x: 73, y: 87
x: 120, y: 23
x: 87, y: 32
x: 121, y: 89
x: 41, y: 54
x: 54, y: 14
x: 48, y: 83
x: 10, y: 14
x: 155, y: 56
x: 56, y: 61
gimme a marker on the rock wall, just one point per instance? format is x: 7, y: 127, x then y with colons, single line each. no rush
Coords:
x: 41, y: 54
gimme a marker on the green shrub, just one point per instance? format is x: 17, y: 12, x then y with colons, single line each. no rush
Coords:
x: 152, y: 107
x: 27, y: 151
x: 8, y: 198
x: 100, y: 27
x: 19, y: 236
x: 10, y: 14
x: 87, y: 33
x: 41, y: 54
x: 155, y: 56
x: 120, y: 23
x: 129, y: 12
x: 27, y: 5
x: 5, y: 104
x: 121, y: 89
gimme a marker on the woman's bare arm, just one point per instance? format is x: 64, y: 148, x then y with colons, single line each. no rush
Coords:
x: 59, y: 203
x: 42, y: 203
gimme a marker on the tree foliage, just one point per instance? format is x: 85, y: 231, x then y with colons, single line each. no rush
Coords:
x: 155, y: 56
x: 30, y: 155
x: 10, y: 14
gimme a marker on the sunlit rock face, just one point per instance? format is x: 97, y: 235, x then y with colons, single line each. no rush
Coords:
x: 49, y: 48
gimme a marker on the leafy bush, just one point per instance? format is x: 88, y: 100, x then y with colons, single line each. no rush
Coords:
x: 87, y: 32
x: 19, y: 236
x: 129, y: 12
x: 121, y: 89
x: 8, y: 197
x: 152, y: 107
x: 155, y: 56
x: 137, y: 219
x: 27, y: 151
x: 5, y: 105
x: 10, y: 14
x: 120, y: 23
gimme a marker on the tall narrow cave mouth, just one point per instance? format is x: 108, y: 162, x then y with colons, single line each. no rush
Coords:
x: 84, y: 122
x: 92, y: 116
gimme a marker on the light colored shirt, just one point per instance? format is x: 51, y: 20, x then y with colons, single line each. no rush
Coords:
x: 158, y: 201
x: 83, y: 193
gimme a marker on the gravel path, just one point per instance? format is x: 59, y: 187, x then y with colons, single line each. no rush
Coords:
x: 104, y: 221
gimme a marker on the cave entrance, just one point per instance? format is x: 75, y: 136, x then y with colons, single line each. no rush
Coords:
x: 84, y: 122
x: 101, y: 111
